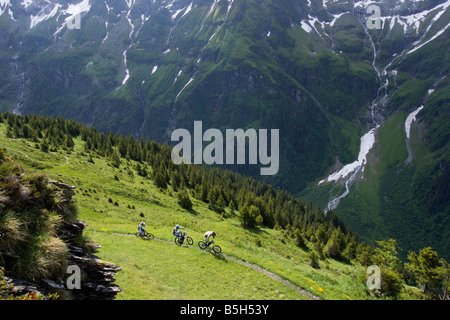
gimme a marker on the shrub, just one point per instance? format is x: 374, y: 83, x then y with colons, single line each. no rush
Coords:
x: 184, y: 200
x: 160, y: 181
x: 391, y: 282
x: 299, y: 240
x: 250, y: 216
x: 313, y: 260
x: 44, y: 147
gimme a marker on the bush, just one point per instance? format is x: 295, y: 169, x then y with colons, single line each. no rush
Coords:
x: 391, y: 282
x: 184, y: 200
x: 299, y: 240
x: 44, y: 147
x: 314, y: 260
x: 336, y: 244
x: 250, y: 216
x: 160, y: 181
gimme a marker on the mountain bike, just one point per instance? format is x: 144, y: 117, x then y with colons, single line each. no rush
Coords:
x: 204, y: 245
x: 180, y: 240
x: 145, y: 235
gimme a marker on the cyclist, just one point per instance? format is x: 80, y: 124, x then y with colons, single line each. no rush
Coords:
x: 208, y: 236
x: 176, y: 231
x: 142, y: 227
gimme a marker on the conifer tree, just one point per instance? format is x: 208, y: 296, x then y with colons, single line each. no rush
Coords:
x: 425, y: 266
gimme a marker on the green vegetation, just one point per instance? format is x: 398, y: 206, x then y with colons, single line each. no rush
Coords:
x: 408, y: 201
x: 30, y: 216
x: 116, y: 189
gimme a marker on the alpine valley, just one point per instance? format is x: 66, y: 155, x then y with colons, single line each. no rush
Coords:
x: 360, y: 97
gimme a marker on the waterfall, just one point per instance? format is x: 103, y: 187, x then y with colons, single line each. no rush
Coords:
x: 350, y: 171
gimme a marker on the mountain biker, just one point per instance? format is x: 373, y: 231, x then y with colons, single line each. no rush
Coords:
x: 176, y: 231
x: 208, y: 235
x: 142, y: 227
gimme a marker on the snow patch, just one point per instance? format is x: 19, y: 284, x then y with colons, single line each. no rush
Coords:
x: 176, y: 78
x: 306, y: 26
x: 26, y: 3
x: 336, y: 17
x: 127, y: 71
x: 43, y: 15
x: 230, y: 4
x: 186, y: 10
x: 431, y: 39
x: 212, y: 7
x: 129, y: 3
x: 4, y: 4
x: 367, y: 142
x: 190, y: 80
x: 409, y: 120
x: 73, y: 10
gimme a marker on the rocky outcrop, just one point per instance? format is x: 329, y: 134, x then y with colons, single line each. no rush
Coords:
x: 96, y: 277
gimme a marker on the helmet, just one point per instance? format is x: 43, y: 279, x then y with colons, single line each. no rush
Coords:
x: 142, y: 223
x: 214, y: 234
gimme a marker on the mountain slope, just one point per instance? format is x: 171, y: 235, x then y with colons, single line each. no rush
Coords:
x: 313, y: 69
x: 297, y: 249
x: 156, y: 67
x: 114, y: 200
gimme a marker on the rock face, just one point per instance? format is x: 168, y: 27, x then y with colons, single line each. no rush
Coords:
x: 96, y: 277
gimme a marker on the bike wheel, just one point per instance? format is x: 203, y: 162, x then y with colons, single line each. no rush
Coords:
x: 217, y: 249
x: 202, y: 245
x: 178, y: 241
x: 189, y: 241
x: 148, y: 236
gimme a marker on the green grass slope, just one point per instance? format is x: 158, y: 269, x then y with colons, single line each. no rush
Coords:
x: 114, y: 201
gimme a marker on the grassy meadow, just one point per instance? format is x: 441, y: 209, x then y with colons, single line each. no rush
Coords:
x: 114, y: 201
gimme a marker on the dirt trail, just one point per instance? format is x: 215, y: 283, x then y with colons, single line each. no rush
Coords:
x: 249, y: 265
x: 273, y: 276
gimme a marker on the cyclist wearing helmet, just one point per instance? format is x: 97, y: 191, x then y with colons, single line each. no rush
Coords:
x: 142, y: 227
x: 177, y: 232
x: 208, y: 235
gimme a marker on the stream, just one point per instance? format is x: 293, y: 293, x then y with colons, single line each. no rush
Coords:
x: 20, y: 82
x: 350, y: 171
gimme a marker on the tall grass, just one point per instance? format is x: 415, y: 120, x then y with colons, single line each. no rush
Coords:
x: 28, y: 223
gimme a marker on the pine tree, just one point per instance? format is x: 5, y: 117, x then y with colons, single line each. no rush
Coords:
x: 160, y: 180
x: 184, y: 200
x: 250, y: 216
x: 425, y: 266
x: 44, y: 146
x: 385, y: 257
x: 336, y: 244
